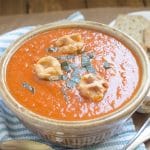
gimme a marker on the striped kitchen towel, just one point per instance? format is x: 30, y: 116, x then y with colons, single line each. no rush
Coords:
x: 12, y: 128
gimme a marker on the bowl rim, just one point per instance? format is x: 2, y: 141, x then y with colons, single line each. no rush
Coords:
x: 119, y: 114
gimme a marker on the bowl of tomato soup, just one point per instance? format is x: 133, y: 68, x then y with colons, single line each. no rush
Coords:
x: 74, y: 83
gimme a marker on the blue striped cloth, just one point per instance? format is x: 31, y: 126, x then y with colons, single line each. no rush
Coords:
x: 12, y: 128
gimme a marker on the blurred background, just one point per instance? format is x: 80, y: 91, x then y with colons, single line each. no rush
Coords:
x: 11, y: 7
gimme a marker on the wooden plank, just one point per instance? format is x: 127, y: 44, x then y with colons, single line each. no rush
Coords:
x: 8, y: 7
x: 54, y: 5
x: 103, y: 15
x: 114, y: 3
x: 147, y: 2
x: 132, y: 3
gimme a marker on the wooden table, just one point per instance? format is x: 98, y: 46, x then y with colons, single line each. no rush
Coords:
x: 8, y: 7
x: 103, y: 15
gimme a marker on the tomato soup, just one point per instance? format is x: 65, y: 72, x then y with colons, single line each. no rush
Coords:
x: 61, y: 99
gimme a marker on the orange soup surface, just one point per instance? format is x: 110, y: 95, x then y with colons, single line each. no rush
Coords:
x: 61, y: 99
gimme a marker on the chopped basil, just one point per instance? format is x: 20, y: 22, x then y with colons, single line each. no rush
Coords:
x: 66, y: 57
x: 71, y: 56
x: 76, y: 72
x: 73, y: 66
x: 75, y: 79
x: 63, y: 77
x: 91, y: 55
x: 65, y: 66
x: 65, y: 63
x: 74, y: 69
x: 86, y: 63
x: 62, y: 57
x: 106, y: 65
x: 70, y: 84
x: 83, y: 70
x: 52, y: 49
x: 28, y: 87
x: 85, y: 60
x: 90, y: 69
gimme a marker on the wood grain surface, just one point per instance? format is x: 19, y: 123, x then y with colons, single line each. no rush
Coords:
x: 103, y: 15
x: 8, y: 7
x: 119, y: 3
x: 13, y: 7
x: 146, y: 2
x: 53, y: 5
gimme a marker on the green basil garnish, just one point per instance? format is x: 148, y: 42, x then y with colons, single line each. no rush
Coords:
x: 65, y: 66
x: 70, y: 84
x: 75, y: 79
x: 73, y: 65
x: 52, y: 49
x: 63, y: 77
x: 107, y: 65
x: 65, y: 57
x: 90, y: 69
x: 70, y: 56
x: 28, y: 87
x: 61, y: 57
x: 91, y: 55
x: 85, y: 60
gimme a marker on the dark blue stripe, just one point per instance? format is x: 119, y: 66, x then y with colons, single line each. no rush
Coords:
x: 23, y: 135
x: 19, y: 129
x: 8, y: 121
x: 7, y: 112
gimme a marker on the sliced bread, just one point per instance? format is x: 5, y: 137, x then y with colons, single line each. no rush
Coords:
x: 132, y: 25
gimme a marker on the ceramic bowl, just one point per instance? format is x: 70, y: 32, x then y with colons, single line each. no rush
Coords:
x: 76, y: 133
